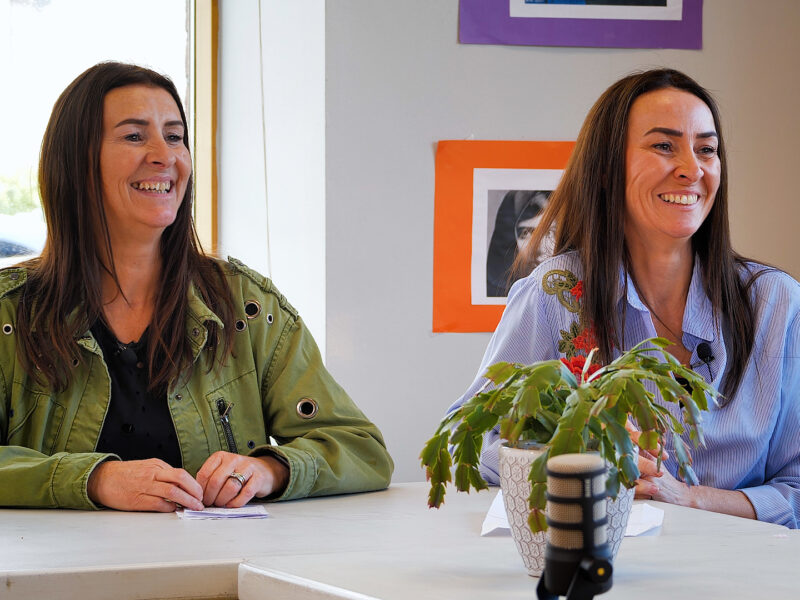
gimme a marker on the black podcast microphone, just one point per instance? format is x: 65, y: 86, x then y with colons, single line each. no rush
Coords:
x: 577, y: 558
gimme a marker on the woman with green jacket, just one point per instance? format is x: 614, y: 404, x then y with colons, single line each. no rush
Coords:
x: 138, y: 373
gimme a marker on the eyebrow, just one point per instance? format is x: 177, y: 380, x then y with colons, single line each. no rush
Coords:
x: 676, y: 133
x: 145, y: 122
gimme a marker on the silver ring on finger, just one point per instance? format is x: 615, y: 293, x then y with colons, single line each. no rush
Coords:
x: 238, y: 477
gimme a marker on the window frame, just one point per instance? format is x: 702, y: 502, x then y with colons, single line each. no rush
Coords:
x: 204, y: 55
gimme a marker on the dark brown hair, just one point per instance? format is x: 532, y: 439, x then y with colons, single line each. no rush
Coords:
x: 62, y: 297
x: 588, y: 212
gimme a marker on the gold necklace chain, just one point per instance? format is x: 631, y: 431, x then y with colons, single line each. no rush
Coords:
x: 660, y: 320
x: 678, y: 339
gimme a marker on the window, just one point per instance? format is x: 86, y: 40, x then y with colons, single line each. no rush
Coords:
x: 45, y: 44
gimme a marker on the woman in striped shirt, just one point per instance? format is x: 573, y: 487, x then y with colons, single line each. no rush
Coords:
x: 643, y: 248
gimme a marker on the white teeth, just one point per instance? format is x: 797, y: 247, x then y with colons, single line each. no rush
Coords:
x: 680, y: 198
x: 162, y: 187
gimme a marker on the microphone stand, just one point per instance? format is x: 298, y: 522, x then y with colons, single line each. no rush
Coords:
x: 590, y: 579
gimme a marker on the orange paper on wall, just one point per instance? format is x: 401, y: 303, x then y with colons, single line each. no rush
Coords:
x: 456, y: 160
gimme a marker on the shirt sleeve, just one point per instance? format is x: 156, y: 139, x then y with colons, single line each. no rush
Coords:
x: 778, y: 499
x: 527, y: 333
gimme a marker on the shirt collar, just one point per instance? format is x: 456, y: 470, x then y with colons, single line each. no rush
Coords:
x: 698, y: 316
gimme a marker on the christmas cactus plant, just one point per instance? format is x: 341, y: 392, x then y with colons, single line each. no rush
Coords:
x: 573, y: 405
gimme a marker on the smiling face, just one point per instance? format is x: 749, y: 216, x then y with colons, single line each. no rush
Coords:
x: 144, y: 164
x: 672, y: 168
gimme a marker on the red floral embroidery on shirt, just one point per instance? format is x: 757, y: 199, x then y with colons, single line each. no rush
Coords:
x: 586, y: 340
x: 569, y: 290
x: 576, y: 364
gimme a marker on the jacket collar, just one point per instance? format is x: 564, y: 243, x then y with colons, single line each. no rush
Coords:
x: 11, y: 279
x: 197, y: 315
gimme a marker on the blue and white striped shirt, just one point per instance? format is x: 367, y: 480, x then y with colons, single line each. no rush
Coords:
x: 752, y: 441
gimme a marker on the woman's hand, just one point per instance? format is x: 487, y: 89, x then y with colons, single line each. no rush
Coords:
x: 263, y: 476
x: 646, y: 488
x: 146, y: 485
x: 660, y: 485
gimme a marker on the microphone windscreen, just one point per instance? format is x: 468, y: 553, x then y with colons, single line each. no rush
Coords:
x: 704, y: 352
x: 565, y: 481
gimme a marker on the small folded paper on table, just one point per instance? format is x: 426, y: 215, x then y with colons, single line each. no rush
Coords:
x: 496, y: 519
x: 643, y: 518
x: 249, y: 511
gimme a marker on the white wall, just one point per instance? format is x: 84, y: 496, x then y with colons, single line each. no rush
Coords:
x: 275, y: 223
x: 398, y: 81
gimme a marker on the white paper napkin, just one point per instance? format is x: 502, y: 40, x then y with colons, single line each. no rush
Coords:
x: 643, y: 518
x: 249, y: 511
x: 496, y: 519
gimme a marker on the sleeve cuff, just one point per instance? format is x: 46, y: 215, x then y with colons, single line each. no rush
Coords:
x: 770, y: 505
x: 69, y: 482
x: 302, y: 470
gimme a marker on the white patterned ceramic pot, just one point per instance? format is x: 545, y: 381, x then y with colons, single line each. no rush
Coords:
x: 515, y: 466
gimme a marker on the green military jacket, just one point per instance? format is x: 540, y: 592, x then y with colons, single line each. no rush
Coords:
x: 274, y: 385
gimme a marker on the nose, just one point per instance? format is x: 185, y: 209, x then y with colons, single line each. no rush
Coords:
x: 159, y: 152
x: 688, y: 167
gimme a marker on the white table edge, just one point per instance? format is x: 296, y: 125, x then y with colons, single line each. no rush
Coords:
x: 255, y: 582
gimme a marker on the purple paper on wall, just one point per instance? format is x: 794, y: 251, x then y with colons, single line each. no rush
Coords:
x: 490, y: 22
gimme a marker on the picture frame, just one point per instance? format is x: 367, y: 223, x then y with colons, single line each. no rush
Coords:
x: 677, y: 24
x: 471, y: 175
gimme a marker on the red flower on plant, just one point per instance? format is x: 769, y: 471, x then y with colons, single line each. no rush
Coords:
x: 577, y: 290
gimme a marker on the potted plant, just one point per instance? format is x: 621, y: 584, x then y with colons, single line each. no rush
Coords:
x: 572, y: 405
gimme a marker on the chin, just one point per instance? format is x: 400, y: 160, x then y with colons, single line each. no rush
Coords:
x: 683, y: 235
x: 159, y: 224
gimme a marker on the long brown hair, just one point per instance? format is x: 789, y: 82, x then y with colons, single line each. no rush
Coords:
x: 588, y: 212
x: 62, y: 296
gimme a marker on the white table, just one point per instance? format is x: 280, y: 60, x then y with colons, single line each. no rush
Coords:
x: 383, y: 545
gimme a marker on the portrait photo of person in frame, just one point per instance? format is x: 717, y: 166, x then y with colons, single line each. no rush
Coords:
x: 510, y: 226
